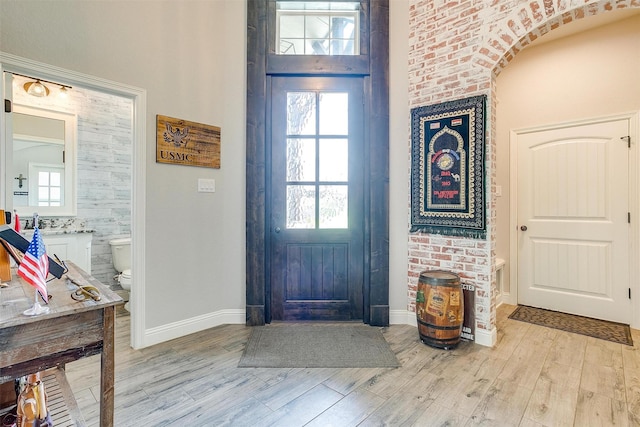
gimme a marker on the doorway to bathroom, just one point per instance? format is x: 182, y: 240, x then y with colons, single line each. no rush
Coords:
x: 114, y: 205
x: 82, y: 188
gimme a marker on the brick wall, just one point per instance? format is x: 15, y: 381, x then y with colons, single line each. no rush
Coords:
x: 456, y: 48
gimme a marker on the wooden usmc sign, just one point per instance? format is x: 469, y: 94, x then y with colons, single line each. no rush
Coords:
x: 182, y: 142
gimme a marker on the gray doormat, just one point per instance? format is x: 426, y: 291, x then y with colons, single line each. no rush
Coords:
x: 602, y: 329
x: 317, y: 346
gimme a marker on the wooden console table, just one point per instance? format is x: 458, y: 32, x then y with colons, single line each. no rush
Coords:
x: 71, y: 330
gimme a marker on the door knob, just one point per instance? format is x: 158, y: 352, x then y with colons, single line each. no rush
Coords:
x: 277, y: 229
x: 523, y: 227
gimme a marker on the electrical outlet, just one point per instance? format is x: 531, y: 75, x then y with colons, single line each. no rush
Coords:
x: 206, y: 185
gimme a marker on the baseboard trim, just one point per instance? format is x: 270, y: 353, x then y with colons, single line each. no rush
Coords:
x: 211, y: 320
x: 486, y: 338
x: 402, y: 317
x: 179, y: 329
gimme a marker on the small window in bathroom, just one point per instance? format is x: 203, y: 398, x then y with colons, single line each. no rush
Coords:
x: 317, y: 28
x: 47, y: 189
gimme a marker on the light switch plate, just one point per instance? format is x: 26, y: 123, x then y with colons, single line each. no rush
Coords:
x: 206, y: 185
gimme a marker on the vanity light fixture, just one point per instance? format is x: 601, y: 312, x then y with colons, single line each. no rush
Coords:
x: 38, y: 88
x: 63, y: 92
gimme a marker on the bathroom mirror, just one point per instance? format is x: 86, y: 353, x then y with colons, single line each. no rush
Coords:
x: 44, y: 162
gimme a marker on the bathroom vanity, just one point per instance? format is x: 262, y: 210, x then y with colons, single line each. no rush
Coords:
x: 74, y: 247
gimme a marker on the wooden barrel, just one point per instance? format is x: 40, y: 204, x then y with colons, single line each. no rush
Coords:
x: 439, y: 308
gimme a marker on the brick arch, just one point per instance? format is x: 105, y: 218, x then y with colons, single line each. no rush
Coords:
x: 532, y: 20
x: 507, y: 38
x: 456, y: 50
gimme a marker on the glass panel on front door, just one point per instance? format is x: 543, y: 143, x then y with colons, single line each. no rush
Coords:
x: 317, y: 160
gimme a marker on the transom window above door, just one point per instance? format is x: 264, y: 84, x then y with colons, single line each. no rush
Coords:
x: 317, y: 28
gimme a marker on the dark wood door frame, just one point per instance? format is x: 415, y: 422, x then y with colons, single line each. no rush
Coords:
x: 373, y: 65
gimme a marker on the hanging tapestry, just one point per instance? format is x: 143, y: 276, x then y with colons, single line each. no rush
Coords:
x: 447, y: 168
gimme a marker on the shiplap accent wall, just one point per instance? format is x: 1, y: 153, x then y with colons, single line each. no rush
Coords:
x: 104, y: 166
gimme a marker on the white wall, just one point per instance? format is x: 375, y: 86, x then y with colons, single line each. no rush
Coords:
x: 586, y: 75
x: 399, y: 142
x: 190, y: 58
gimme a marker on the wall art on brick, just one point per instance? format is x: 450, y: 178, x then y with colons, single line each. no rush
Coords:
x: 447, y: 168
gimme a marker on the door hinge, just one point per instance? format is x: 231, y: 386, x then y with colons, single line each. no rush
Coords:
x: 629, y: 217
x: 64, y: 153
x: 7, y: 105
x: 629, y: 293
x: 628, y: 138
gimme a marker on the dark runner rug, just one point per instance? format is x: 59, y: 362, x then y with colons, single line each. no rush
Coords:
x: 317, y: 346
x: 602, y: 329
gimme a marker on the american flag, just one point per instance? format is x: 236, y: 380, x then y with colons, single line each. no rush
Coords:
x: 35, y: 265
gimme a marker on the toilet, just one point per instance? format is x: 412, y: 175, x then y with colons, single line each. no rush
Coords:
x: 121, y: 256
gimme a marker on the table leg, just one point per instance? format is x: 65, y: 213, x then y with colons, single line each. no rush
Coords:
x: 107, y: 368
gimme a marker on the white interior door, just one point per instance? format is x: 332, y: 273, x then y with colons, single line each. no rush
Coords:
x: 573, y: 204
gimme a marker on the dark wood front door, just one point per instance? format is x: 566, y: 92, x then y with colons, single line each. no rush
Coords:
x: 317, y: 198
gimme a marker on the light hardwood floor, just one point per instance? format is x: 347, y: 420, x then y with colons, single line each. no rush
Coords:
x: 534, y: 376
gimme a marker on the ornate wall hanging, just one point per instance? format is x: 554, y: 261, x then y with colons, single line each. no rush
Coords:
x: 187, y: 143
x: 447, y: 168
